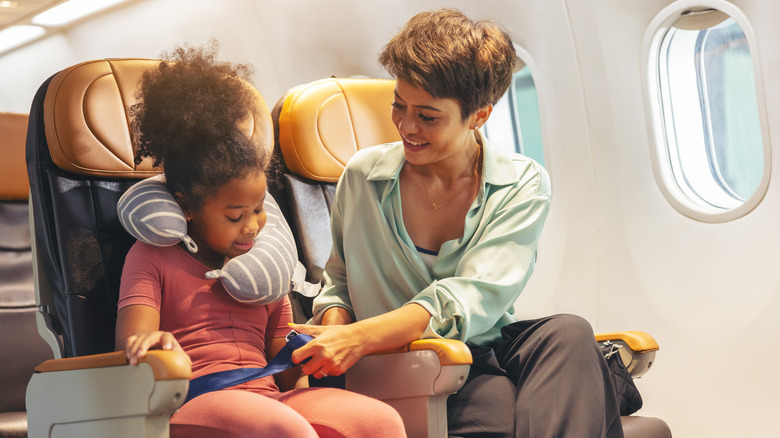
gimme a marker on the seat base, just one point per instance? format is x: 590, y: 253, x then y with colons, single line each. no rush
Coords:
x: 415, y: 383
x: 118, y: 401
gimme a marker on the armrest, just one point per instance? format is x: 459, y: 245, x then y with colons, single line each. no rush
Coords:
x: 429, y: 367
x: 638, y: 342
x: 415, y: 380
x: 449, y: 351
x: 637, y: 349
x: 102, y: 395
x: 166, y: 365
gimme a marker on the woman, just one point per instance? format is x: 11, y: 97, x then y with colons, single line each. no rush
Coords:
x: 436, y: 235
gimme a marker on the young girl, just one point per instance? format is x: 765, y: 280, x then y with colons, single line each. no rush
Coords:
x: 212, y: 133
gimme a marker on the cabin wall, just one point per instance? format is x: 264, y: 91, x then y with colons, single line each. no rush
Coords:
x: 613, y: 249
x: 705, y: 291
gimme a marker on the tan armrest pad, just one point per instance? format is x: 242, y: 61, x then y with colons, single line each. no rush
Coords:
x: 450, y: 351
x: 639, y: 342
x: 166, y: 365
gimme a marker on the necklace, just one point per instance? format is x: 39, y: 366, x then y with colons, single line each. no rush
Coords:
x: 436, y: 205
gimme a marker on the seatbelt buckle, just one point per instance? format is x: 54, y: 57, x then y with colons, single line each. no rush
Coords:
x: 291, y: 335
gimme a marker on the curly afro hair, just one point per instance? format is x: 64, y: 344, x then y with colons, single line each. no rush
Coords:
x: 187, y: 119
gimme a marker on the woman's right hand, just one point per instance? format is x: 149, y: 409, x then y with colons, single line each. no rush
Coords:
x: 335, y: 348
x: 138, y: 344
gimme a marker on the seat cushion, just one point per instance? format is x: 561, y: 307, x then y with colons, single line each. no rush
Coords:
x: 310, y: 203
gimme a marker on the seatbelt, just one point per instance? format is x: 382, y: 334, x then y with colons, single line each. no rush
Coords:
x: 225, y: 379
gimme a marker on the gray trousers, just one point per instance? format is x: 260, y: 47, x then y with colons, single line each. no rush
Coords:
x: 546, y: 378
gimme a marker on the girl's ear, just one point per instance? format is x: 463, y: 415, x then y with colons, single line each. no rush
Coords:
x: 181, y: 199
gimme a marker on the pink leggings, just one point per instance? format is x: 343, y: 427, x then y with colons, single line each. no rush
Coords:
x: 311, y: 412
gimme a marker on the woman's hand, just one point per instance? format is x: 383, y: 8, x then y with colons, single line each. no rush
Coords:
x: 334, y: 349
x: 138, y: 344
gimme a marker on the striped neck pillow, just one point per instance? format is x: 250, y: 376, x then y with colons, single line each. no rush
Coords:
x: 149, y: 212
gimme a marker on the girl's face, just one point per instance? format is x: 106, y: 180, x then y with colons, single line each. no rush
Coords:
x: 228, y: 222
x: 431, y: 129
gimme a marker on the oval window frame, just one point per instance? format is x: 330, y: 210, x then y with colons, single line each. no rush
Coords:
x: 523, y: 57
x: 659, y: 149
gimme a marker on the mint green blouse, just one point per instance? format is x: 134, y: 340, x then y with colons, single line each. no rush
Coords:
x: 470, y: 292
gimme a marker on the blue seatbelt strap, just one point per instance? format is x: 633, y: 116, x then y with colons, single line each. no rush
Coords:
x: 225, y: 379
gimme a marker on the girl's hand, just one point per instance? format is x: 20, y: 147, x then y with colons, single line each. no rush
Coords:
x: 334, y: 349
x: 138, y: 344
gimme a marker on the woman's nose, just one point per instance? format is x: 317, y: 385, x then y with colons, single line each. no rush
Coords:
x: 407, y: 124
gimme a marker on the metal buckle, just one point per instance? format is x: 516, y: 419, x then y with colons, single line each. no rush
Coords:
x: 291, y: 335
x: 613, y: 348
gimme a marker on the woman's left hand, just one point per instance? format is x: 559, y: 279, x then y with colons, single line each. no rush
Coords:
x: 334, y: 349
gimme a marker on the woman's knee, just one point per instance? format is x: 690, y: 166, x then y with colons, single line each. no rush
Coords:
x: 571, y: 338
x: 570, y: 329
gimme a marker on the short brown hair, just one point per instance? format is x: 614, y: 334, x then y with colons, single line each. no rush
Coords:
x: 450, y: 56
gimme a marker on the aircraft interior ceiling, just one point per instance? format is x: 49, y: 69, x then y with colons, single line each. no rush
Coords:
x: 620, y: 247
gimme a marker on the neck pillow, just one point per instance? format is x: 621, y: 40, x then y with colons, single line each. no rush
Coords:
x: 149, y: 212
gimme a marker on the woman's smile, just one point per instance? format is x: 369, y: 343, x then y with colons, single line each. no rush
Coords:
x: 413, y: 146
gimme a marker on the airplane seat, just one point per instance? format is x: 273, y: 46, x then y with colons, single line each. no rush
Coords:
x: 20, y: 346
x: 80, y: 160
x: 311, y: 151
x: 319, y: 126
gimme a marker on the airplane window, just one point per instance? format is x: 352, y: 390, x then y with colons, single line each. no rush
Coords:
x: 709, y: 111
x: 514, y: 125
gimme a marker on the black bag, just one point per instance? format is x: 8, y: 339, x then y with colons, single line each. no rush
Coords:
x: 628, y: 397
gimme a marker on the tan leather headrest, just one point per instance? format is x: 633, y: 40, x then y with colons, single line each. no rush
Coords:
x: 15, y: 184
x: 323, y: 123
x: 87, y: 121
